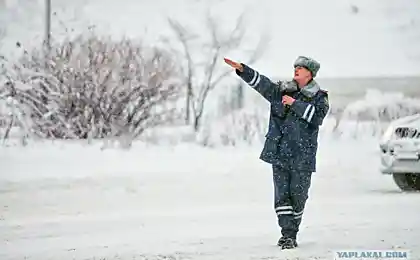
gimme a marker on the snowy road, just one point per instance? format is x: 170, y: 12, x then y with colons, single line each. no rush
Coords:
x: 77, y: 202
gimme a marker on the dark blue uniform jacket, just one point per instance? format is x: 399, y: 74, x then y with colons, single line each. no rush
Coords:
x: 292, y: 136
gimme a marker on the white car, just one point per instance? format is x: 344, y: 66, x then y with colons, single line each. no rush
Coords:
x: 400, y: 152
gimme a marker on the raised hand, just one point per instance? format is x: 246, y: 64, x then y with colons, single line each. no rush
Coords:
x: 234, y: 64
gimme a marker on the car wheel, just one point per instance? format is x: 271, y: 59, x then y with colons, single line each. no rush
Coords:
x: 407, y: 181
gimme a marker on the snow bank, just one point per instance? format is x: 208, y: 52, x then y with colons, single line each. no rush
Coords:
x: 371, y: 115
x: 381, y: 106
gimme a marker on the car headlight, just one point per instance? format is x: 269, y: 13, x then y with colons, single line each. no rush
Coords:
x: 387, y: 136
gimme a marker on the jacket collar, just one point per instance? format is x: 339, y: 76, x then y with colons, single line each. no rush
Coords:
x: 309, y: 90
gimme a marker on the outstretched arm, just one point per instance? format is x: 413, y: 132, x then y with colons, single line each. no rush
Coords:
x: 257, y: 81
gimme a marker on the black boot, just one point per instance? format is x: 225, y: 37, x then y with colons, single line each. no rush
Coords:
x: 289, y: 243
x: 281, y: 241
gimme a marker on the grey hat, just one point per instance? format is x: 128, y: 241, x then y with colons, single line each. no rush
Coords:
x: 308, y: 63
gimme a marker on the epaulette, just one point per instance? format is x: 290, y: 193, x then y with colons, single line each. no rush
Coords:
x: 325, y: 96
x: 324, y: 91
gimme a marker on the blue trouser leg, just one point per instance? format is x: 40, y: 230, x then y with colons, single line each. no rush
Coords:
x: 300, y: 183
x: 290, y: 195
x: 282, y: 200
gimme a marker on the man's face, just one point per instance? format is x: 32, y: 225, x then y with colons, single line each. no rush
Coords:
x: 302, y: 74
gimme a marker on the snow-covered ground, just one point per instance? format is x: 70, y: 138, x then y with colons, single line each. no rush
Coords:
x: 72, y: 201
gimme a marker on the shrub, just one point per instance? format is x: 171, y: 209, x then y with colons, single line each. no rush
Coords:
x: 93, y: 87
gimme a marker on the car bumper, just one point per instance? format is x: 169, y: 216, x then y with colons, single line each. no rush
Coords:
x: 393, y: 164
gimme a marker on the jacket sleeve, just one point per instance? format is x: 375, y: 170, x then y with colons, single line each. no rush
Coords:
x: 260, y: 83
x: 313, y: 114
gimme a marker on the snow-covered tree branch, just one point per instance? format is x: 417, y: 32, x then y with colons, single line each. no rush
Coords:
x: 202, y: 75
x: 92, y: 87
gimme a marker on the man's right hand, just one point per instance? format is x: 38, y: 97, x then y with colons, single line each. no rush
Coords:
x: 234, y: 64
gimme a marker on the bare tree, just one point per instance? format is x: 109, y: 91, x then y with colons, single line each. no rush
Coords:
x: 184, y: 37
x: 219, y: 44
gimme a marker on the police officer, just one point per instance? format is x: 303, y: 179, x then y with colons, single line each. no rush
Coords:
x: 297, y: 110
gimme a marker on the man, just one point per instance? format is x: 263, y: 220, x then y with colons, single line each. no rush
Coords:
x: 298, y: 108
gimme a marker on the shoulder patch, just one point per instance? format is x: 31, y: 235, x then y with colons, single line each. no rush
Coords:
x: 323, y: 95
